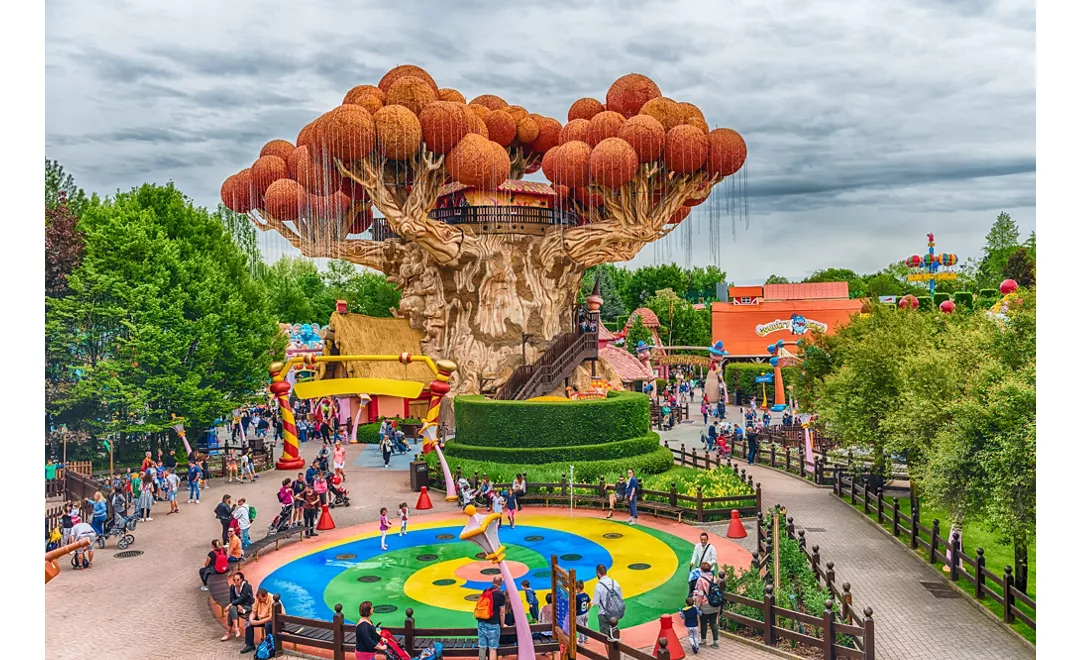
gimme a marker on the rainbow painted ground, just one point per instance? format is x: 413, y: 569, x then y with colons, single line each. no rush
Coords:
x: 440, y: 577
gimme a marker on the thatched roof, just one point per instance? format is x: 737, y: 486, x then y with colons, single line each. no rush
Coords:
x: 356, y: 334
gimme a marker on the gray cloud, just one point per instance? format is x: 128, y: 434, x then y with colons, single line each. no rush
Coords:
x: 865, y: 129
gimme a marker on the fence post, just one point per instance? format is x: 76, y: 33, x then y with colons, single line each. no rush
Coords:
x: 827, y: 634
x: 339, y: 633
x: 802, y: 465
x: 815, y: 560
x: 410, y: 632
x: 707, y: 466
x: 838, y: 477
x: 896, y: 516
x: 845, y: 599
x: 802, y: 539
x: 760, y: 524
x: 868, y: 633
x: 673, y: 496
x: 934, y: 541
x: 767, y: 616
x: 980, y: 578
x: 613, y: 641
x: 757, y: 498
x: 603, y: 489
x: 693, y: 457
x: 954, y: 557
x: 820, y: 463
x: 564, y: 484
x: 682, y: 454
x: 830, y: 576
x: 700, y: 506
x: 750, y: 481
x: 662, y: 654
x: 866, y: 498
x: 790, y: 527
x: 914, y: 523
x: 275, y: 621
x: 880, y: 507
x: 1008, y: 595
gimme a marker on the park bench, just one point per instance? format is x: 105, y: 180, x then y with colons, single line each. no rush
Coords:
x: 275, y: 539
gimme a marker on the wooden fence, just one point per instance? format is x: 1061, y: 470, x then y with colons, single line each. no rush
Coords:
x: 340, y: 639
x: 788, y: 459
x: 830, y: 624
x: 668, y: 503
x: 680, y: 412
x: 1001, y: 590
x: 262, y: 460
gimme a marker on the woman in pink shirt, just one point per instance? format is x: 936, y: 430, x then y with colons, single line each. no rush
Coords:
x: 320, y: 486
x: 339, y: 460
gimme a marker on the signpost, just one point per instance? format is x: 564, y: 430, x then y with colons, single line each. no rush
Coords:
x: 564, y: 623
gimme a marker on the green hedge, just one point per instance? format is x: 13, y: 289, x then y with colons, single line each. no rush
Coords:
x: 483, y: 422
x: 661, y: 384
x: 656, y: 461
x: 987, y: 298
x: 925, y: 304
x: 619, y: 449
x: 939, y: 298
x: 740, y: 377
x: 368, y: 434
x: 963, y: 299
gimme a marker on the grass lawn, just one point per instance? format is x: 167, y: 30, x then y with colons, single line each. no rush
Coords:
x: 975, y: 536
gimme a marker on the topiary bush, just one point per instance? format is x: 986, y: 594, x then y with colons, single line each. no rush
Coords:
x: 924, y: 303
x: 939, y: 298
x: 987, y: 298
x: 534, y: 455
x: 740, y: 377
x: 368, y: 434
x: 660, y: 459
x: 964, y: 299
x: 483, y: 422
x: 661, y: 384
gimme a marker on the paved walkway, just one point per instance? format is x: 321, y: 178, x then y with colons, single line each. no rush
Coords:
x: 910, y: 623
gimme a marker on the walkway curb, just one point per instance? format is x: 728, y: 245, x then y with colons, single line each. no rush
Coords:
x: 760, y: 646
x: 938, y: 574
x: 787, y: 474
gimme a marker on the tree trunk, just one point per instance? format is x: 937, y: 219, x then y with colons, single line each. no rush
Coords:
x: 1020, y: 564
x: 476, y: 309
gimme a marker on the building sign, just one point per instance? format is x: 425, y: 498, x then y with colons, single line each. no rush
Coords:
x: 796, y: 325
x: 765, y: 378
x: 926, y: 277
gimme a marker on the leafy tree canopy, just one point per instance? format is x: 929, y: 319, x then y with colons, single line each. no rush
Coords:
x: 60, y: 187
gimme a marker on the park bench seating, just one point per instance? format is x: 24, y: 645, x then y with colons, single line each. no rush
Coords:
x: 452, y: 646
x: 218, y: 584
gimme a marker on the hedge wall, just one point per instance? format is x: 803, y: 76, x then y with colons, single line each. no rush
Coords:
x: 368, y: 434
x: 987, y: 298
x: 660, y: 459
x: 939, y: 298
x: 619, y: 449
x: 964, y: 299
x: 925, y: 304
x: 483, y: 422
x: 740, y: 377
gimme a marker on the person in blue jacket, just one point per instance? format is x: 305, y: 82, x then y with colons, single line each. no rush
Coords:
x: 101, y: 512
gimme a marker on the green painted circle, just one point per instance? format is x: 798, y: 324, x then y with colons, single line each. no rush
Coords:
x: 384, y: 609
x: 542, y: 573
x: 570, y: 557
x: 444, y: 537
x: 427, y: 557
x: 534, y: 538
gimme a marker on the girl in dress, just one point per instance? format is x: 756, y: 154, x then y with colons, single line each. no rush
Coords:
x: 146, y: 500
x: 403, y: 511
x: 230, y: 466
x: 339, y: 460
x: 384, y: 525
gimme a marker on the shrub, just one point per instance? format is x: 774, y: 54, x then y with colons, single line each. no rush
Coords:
x: 656, y: 461
x: 740, y: 377
x: 987, y: 298
x: 620, y: 449
x: 924, y: 303
x: 484, y: 422
x: 368, y: 434
x: 661, y: 384
x: 963, y: 299
x: 939, y: 298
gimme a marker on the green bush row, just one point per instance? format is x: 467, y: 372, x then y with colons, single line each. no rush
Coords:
x: 656, y: 461
x: 924, y: 303
x: 620, y: 449
x: 963, y: 299
x: 491, y: 423
x: 740, y: 377
x: 368, y: 434
x: 939, y: 298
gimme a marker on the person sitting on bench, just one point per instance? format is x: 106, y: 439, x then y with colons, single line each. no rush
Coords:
x: 617, y: 495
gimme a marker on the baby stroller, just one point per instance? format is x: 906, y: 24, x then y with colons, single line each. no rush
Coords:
x: 393, y: 649
x: 399, y: 445
x: 119, y: 528
x: 282, y: 521
x: 341, y: 495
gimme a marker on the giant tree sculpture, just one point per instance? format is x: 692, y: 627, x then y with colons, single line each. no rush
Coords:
x: 625, y: 173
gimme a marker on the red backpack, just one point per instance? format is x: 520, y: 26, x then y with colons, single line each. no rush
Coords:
x: 221, y: 560
x: 485, y: 606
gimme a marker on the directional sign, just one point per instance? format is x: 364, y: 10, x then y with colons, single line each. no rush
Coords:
x: 767, y: 378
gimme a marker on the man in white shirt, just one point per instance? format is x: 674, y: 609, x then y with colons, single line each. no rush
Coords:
x: 243, y: 517
x: 84, y: 530
x: 703, y: 552
x: 608, y: 598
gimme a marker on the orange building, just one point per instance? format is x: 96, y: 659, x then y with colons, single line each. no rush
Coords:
x: 757, y: 316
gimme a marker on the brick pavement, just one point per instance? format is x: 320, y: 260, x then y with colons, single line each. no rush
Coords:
x: 910, y: 623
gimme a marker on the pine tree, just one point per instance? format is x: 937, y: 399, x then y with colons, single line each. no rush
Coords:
x: 1001, y: 242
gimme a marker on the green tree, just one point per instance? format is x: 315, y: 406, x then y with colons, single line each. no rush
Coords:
x: 777, y: 279
x: 297, y: 292
x: 245, y: 236
x: 637, y: 333
x: 1001, y: 242
x: 702, y: 283
x: 647, y: 280
x: 681, y: 324
x: 611, y: 277
x: 1029, y: 244
x: 60, y: 188
x: 856, y: 286
x: 1020, y: 267
x: 163, y: 317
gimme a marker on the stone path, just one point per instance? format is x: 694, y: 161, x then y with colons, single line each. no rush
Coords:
x: 910, y: 623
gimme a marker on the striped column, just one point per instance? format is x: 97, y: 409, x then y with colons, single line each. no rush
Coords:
x: 279, y: 387
x: 439, y: 388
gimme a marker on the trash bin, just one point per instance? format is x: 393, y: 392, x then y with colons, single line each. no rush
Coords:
x: 418, y: 475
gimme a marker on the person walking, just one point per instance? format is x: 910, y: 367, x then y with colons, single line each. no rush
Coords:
x: 608, y: 598
x: 339, y: 460
x: 172, y: 487
x: 387, y: 447
x: 403, y: 513
x: 751, y: 444
x: 311, y: 508
x: 705, y: 410
x: 194, y: 477
x: 581, y: 608
x: 689, y: 615
x: 633, y: 492
x: 703, y: 552
x: 146, y: 498
x: 384, y: 526
x: 488, y: 614
x: 101, y: 512
x: 708, y: 612
x: 223, y: 512
x: 711, y: 441
x: 242, y: 515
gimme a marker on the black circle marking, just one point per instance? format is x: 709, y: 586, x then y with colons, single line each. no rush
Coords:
x: 427, y: 557
x: 570, y: 557
x: 368, y: 578
x: 345, y: 557
x: 639, y: 567
x: 444, y: 582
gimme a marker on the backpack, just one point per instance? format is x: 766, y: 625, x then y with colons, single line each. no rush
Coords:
x: 265, y: 649
x: 714, y: 595
x: 221, y: 562
x: 613, y: 603
x: 252, y: 512
x: 485, y: 605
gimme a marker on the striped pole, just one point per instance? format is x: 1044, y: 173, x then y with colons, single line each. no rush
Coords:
x: 439, y: 389
x: 279, y: 387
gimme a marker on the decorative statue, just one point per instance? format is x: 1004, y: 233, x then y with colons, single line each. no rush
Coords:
x: 714, y: 380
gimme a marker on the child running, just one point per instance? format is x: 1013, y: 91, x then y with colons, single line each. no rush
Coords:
x: 384, y: 525
x: 403, y: 511
x: 689, y: 616
x: 511, y: 506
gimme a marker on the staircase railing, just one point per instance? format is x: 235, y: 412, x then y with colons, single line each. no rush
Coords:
x: 562, y: 356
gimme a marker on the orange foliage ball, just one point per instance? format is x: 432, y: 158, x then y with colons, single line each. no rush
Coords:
x: 692, y: 115
x: 527, y: 130
x: 238, y: 192
x: 477, y: 161
x: 411, y: 92
x: 680, y: 215
x: 501, y: 127
x: 443, y: 124
x: 612, y: 163
x: 665, y: 111
x: 727, y: 152
x: 571, y: 167
x: 627, y: 94
x: 299, y: 163
x: 575, y: 129
x: 481, y: 111
x: 516, y: 111
x: 588, y: 199
x: 646, y: 135
x: 371, y: 100
x: 304, y: 137
x: 547, y: 164
x: 548, y: 136
x: 476, y: 120
x: 284, y: 198
x: 362, y: 221
x: 605, y: 125
x: 267, y: 170
x: 397, y: 132
x: 347, y: 132
x: 403, y: 70
x: 585, y: 108
x: 564, y: 191
x: 447, y: 94
x: 685, y: 149
x: 279, y: 148
x: 226, y: 191
x: 490, y: 101
x: 329, y: 207
x: 354, y: 191
x: 354, y: 95
x: 322, y: 179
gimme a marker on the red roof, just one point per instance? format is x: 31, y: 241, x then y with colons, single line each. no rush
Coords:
x: 604, y: 334
x: 648, y: 317
x: 807, y: 291
x: 744, y: 291
x: 508, y: 186
x: 627, y: 366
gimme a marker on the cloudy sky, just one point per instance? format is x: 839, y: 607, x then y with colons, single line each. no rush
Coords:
x: 868, y: 124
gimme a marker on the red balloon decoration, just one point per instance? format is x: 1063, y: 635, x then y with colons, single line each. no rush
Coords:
x: 948, y: 306
x: 1008, y: 286
x: 909, y: 302
x: 914, y: 261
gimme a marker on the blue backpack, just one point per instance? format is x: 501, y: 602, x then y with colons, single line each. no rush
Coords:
x: 265, y: 649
